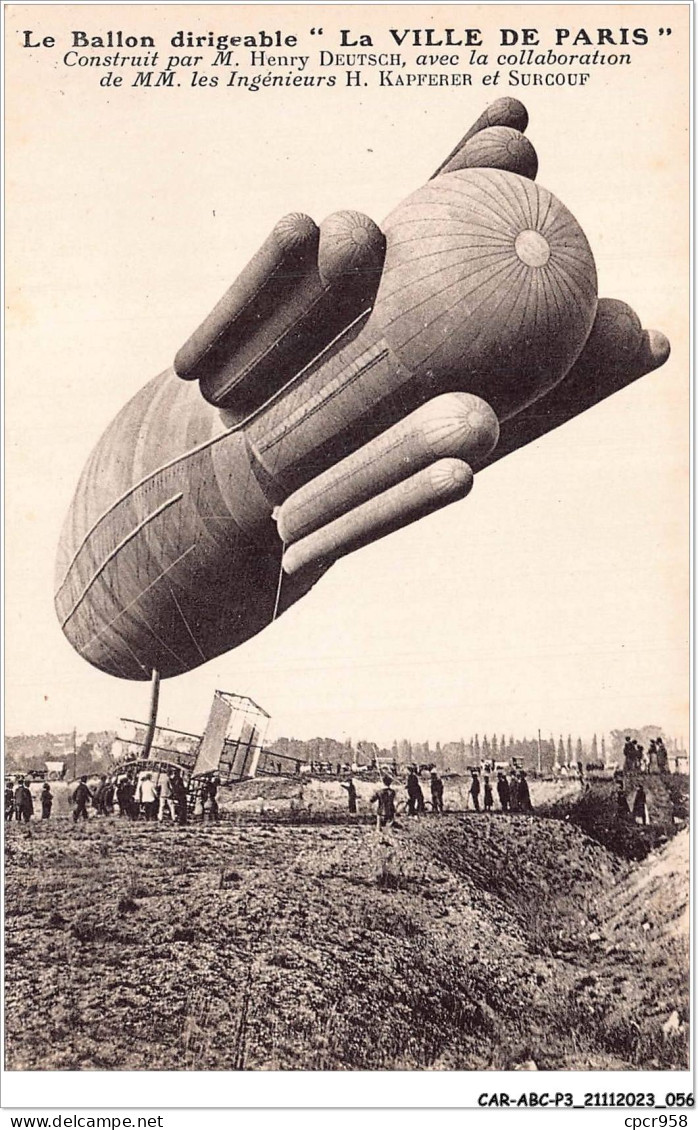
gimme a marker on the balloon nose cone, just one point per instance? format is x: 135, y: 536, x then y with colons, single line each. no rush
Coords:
x: 532, y: 248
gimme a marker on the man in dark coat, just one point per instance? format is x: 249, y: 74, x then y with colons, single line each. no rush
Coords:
x: 209, y: 803
x: 437, y: 792
x: 108, y: 799
x: 640, y: 805
x: 179, y: 792
x: 640, y: 753
x: 81, y: 798
x: 622, y: 808
x: 9, y: 801
x: 488, y: 799
x: 124, y: 796
x: 351, y: 790
x: 513, y: 792
x: 475, y: 790
x: 98, y: 796
x: 24, y: 805
x: 629, y: 754
x: 503, y: 791
x: 415, y: 796
x: 523, y: 797
x: 46, y: 801
x: 385, y: 798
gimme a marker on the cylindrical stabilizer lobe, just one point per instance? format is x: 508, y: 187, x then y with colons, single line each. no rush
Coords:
x: 429, y: 490
x: 502, y: 112
x: 301, y: 289
x: 614, y: 341
x: 455, y: 424
x: 270, y: 275
x: 618, y: 352
x: 498, y: 147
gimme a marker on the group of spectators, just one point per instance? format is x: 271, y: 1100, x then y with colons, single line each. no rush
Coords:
x: 134, y: 796
x: 513, y: 794
x: 144, y: 796
x: 512, y: 791
x: 638, y: 760
x: 19, y: 803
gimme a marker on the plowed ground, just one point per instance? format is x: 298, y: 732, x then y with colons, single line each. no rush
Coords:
x: 466, y: 941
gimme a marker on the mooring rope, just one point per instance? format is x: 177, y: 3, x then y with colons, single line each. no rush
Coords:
x: 278, y: 587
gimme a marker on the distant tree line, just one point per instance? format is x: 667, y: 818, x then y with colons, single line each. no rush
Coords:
x: 456, y: 755
x: 25, y: 752
x: 548, y: 754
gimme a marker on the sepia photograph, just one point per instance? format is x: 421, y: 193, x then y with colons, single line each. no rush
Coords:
x: 347, y: 713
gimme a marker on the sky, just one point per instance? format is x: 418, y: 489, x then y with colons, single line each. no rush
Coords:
x: 555, y: 595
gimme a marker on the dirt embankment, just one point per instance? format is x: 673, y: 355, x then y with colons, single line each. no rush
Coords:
x: 462, y: 942
x: 594, y: 809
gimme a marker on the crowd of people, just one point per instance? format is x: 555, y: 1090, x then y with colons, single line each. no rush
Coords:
x: 512, y: 792
x: 164, y: 795
x: 19, y: 803
x: 144, y: 796
x: 637, y: 759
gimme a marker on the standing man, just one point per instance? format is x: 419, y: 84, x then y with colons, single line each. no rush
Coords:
x: 415, y: 797
x: 622, y: 808
x: 385, y: 798
x: 209, y: 804
x: 523, y: 795
x: 123, y: 796
x: 179, y: 792
x: 166, y: 798
x: 46, y: 801
x: 214, y: 785
x: 488, y: 799
x: 351, y: 790
x: 503, y: 791
x: 108, y: 798
x: 437, y: 792
x: 81, y: 798
x: 513, y: 791
x: 639, y: 757
x: 99, y: 796
x: 24, y: 805
x: 475, y: 790
x: 9, y: 800
x: 147, y: 796
x: 640, y: 806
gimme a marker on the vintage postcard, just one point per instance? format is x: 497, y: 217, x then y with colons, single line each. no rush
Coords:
x: 347, y: 476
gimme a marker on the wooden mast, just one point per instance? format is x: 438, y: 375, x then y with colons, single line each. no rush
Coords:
x: 154, y: 697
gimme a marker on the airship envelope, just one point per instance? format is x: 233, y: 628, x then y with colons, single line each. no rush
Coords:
x: 353, y: 379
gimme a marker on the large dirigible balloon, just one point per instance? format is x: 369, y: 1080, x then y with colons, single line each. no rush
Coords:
x: 350, y: 381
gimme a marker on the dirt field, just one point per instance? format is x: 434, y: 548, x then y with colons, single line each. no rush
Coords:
x: 458, y: 942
